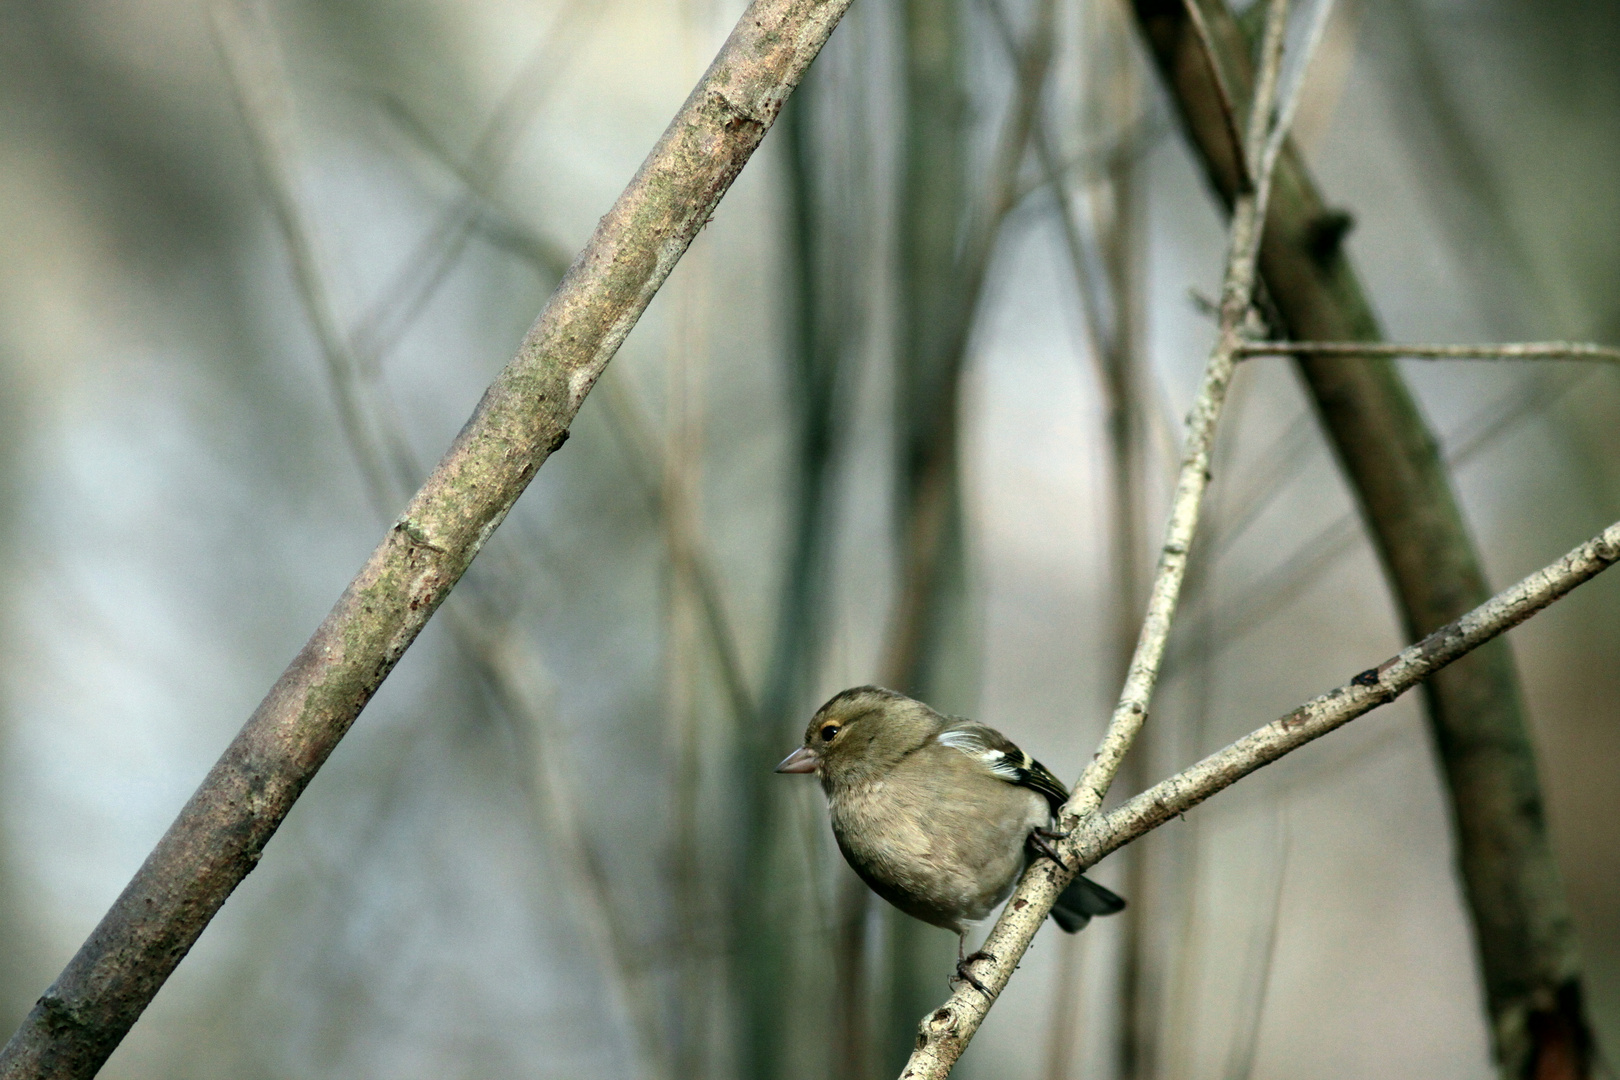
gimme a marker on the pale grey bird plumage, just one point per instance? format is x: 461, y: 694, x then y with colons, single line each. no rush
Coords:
x: 935, y: 813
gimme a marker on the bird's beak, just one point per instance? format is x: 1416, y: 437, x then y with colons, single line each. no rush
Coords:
x: 801, y: 760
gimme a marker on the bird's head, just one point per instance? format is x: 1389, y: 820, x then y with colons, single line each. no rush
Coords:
x: 861, y: 733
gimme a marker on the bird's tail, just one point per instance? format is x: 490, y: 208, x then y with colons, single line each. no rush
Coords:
x: 1081, y: 900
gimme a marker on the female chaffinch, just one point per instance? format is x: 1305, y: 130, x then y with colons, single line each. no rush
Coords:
x: 937, y: 814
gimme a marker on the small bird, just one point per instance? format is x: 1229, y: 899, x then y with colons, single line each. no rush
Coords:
x: 939, y: 815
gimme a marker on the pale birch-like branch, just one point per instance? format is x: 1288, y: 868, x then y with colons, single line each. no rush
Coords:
x: 1519, y: 350
x: 1284, y: 121
x: 1374, y: 687
x: 1237, y: 300
x: 523, y: 418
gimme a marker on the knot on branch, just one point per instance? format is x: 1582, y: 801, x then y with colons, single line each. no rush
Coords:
x: 738, y: 115
x: 417, y: 534
x: 936, y: 1026
x: 939, y: 1024
x: 1325, y: 233
x: 1551, y: 1037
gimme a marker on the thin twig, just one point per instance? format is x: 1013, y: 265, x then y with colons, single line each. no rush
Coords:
x: 1236, y: 305
x: 826, y: 173
x: 943, y: 287
x: 632, y: 428
x: 1523, y: 350
x: 1291, y: 97
x: 1084, y: 260
x: 254, y: 72
x: 1368, y: 690
x: 1083, y: 263
x: 691, y: 915
x: 554, y: 800
x: 1134, y: 142
x: 945, y: 1033
x: 523, y: 418
x: 499, y: 224
x: 1080, y: 259
x: 1130, y: 398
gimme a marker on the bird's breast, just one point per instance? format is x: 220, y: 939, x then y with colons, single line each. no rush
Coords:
x: 942, y: 856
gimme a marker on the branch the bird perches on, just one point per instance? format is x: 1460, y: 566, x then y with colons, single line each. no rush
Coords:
x: 945, y: 1033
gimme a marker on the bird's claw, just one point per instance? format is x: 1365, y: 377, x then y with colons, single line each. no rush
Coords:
x: 967, y: 976
x: 1040, y: 840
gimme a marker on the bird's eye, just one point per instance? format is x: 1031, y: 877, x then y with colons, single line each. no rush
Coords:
x: 829, y: 732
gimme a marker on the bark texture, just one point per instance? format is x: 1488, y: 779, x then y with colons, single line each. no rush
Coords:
x: 1523, y: 933
x: 523, y: 418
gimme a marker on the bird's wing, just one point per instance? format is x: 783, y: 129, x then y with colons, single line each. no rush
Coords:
x: 1002, y: 757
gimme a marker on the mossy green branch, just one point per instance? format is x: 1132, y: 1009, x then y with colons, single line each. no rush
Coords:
x: 523, y: 418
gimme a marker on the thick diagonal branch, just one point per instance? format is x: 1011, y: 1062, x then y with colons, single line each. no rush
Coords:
x: 522, y: 419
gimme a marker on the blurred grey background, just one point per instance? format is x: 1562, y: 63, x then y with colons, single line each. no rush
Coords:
x: 474, y: 890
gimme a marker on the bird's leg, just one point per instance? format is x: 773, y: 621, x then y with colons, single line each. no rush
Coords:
x: 1040, y: 840
x: 962, y: 963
